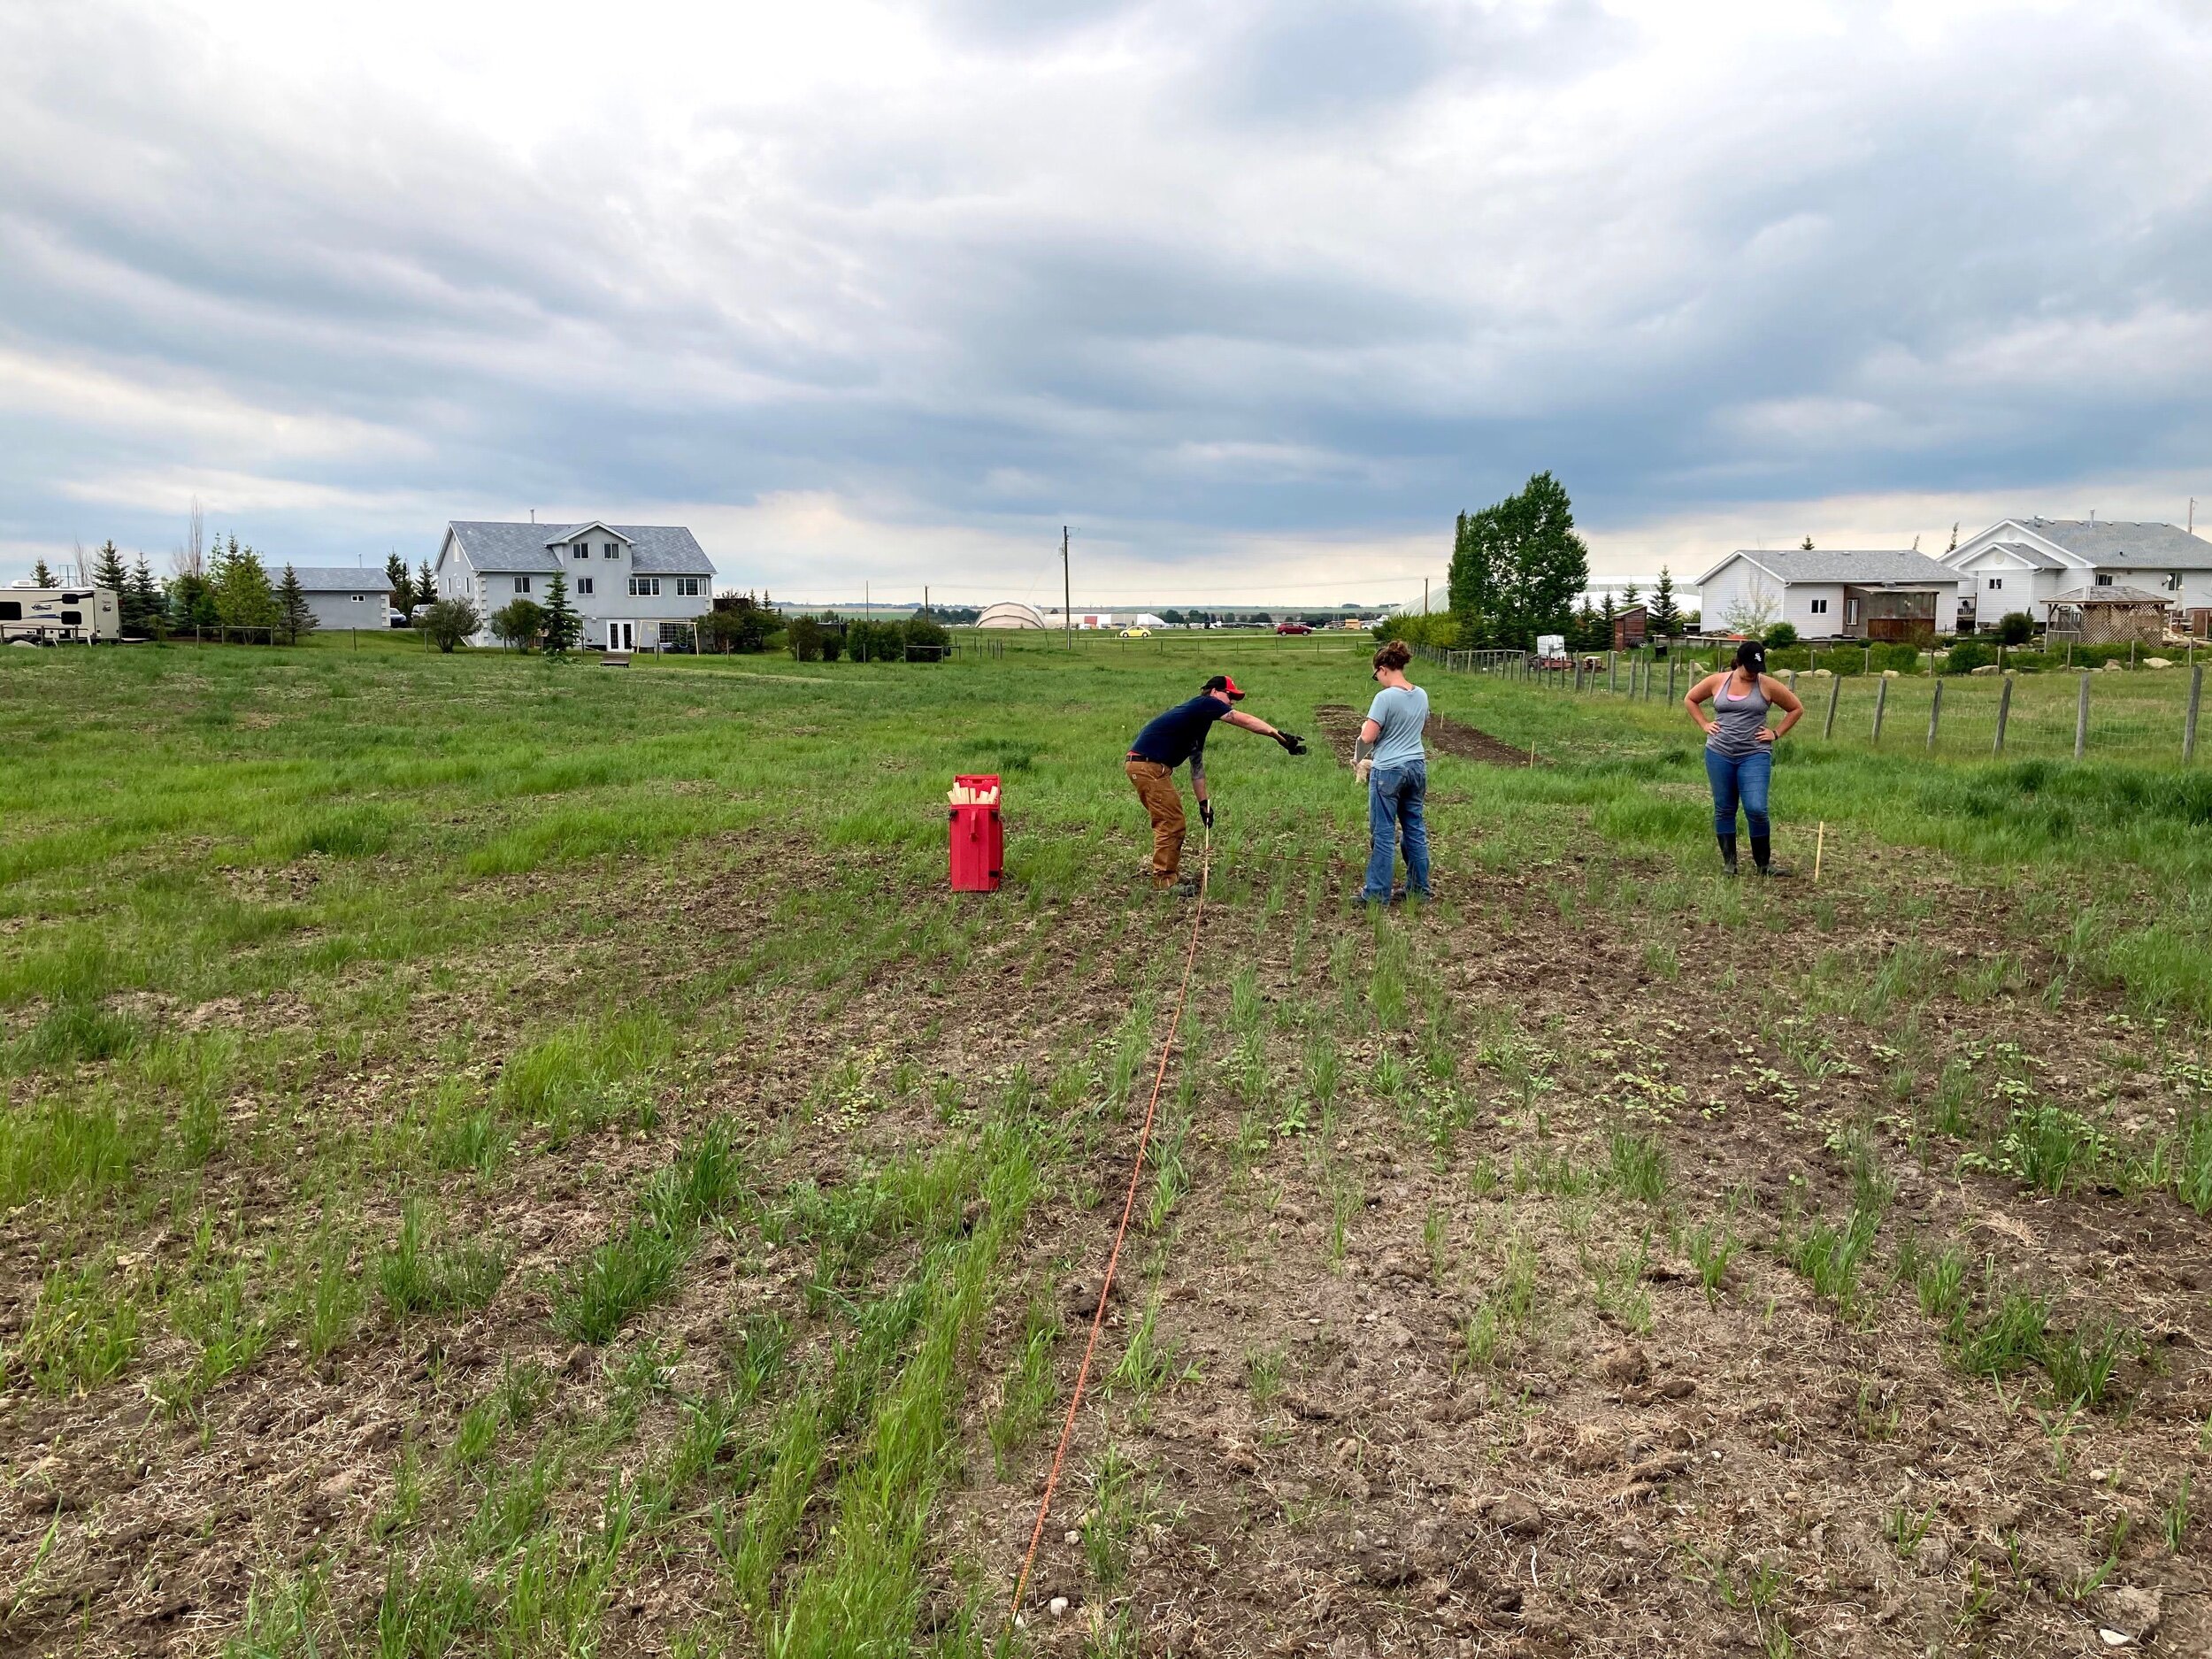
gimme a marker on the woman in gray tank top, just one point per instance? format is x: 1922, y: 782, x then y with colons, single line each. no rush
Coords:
x: 1740, y: 747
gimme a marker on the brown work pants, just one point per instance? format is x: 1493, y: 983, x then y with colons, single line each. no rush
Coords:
x: 1155, y: 788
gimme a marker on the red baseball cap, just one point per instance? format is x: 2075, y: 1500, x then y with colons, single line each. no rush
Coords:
x: 1222, y: 683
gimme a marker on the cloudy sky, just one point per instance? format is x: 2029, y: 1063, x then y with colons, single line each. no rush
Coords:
x: 1254, y: 295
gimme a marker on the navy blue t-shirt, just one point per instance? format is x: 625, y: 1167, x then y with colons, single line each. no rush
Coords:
x: 1174, y: 737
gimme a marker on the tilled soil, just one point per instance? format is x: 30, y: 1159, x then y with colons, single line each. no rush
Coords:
x: 1341, y: 724
x: 1635, y: 1464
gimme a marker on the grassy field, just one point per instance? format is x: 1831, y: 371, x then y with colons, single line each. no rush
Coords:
x: 508, y: 1157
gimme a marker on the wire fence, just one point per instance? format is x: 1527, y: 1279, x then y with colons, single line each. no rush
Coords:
x: 2145, y: 713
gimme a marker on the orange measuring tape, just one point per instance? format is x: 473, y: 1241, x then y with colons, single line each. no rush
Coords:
x: 1113, y: 1256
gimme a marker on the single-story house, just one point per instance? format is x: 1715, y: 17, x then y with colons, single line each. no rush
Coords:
x: 635, y: 587
x: 1631, y: 627
x: 342, y: 596
x: 1878, y: 594
x: 2021, y: 563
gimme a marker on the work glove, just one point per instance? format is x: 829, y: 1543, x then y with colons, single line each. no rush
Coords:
x: 1206, y: 813
x: 1363, y: 769
x: 1295, y: 745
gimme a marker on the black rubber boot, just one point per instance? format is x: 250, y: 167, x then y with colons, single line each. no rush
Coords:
x: 1763, y: 856
x: 1727, y: 853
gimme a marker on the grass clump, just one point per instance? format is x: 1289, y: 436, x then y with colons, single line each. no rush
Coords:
x: 414, y: 1278
x: 595, y: 1299
x: 1638, y: 1167
x: 1027, y: 1398
x: 1831, y: 1257
x: 81, y: 1333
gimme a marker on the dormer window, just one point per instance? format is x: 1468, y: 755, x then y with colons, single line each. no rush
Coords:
x: 613, y: 551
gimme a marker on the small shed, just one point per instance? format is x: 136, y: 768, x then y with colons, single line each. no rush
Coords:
x: 1631, y: 629
x: 2106, y: 615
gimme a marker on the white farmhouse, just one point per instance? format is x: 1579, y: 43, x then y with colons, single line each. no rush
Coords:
x: 1878, y: 594
x: 636, y: 587
x: 2022, y: 564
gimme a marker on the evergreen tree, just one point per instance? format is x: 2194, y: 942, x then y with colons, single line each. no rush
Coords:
x: 1517, y: 566
x: 561, y: 624
x: 426, y: 586
x: 1664, y: 614
x: 109, y: 572
x: 142, y: 604
x: 41, y: 577
x: 1630, y: 595
x: 240, y: 587
x: 296, y: 617
x: 396, y: 579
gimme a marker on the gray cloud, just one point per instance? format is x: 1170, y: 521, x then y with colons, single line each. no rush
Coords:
x: 1187, y: 275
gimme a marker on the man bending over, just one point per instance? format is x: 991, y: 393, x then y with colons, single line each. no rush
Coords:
x: 1169, y: 741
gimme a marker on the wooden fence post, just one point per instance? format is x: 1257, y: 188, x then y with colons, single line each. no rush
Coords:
x: 1935, y: 713
x: 2081, y: 720
x: 2004, y: 712
x: 2189, y: 724
x: 1881, y: 701
x: 1613, y: 671
x: 1835, y: 691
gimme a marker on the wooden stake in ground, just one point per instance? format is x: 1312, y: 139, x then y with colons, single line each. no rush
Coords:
x: 1820, y: 841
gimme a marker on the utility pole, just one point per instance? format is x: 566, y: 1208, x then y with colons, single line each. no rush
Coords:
x: 1424, y: 596
x: 2193, y: 515
x: 1067, y: 590
x: 924, y: 599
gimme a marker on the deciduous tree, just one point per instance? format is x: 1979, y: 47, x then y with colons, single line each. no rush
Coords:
x: 1516, y: 567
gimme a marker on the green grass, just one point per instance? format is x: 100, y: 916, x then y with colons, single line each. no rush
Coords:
x: 325, y: 974
x: 417, y: 1278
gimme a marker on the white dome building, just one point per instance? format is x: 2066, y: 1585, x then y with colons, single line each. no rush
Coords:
x: 1010, y: 613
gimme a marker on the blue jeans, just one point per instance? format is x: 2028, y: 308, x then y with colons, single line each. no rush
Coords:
x: 1740, y: 776
x: 1393, y: 803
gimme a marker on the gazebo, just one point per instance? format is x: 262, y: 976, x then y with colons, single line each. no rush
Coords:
x: 2111, y: 615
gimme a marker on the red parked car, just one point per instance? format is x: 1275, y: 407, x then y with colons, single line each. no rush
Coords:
x: 1292, y: 628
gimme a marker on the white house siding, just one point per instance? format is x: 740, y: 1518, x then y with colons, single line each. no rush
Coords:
x: 1738, y: 578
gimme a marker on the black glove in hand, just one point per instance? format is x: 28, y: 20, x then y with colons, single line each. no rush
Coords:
x: 1206, y: 813
x: 1296, y: 745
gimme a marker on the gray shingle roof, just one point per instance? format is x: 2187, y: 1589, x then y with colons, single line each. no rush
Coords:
x: 656, y: 549
x: 1872, y: 567
x: 334, y: 578
x: 2034, y: 556
x: 2150, y: 546
x: 2118, y: 593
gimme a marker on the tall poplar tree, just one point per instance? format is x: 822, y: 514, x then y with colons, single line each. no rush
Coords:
x: 1517, y: 566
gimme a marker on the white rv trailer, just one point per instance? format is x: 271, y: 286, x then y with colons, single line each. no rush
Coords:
x: 52, y: 615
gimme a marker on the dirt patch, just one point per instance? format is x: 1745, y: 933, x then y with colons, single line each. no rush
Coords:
x: 1341, y: 724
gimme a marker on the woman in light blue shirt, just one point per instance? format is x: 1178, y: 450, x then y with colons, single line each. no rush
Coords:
x: 1394, y: 767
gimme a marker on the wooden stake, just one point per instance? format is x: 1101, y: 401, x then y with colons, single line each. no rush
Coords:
x: 1820, y: 843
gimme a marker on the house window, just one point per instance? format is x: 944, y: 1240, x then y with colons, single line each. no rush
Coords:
x: 2104, y: 578
x: 583, y: 584
x: 2173, y: 581
x: 614, y: 550
x: 522, y: 584
x: 358, y: 598
x: 690, y: 587
x: 582, y: 550
x: 645, y: 586
x: 1820, y: 607
x: 1995, y: 582
x: 675, y: 634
